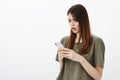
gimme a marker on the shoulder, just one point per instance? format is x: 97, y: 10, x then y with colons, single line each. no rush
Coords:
x: 98, y: 41
x: 64, y: 40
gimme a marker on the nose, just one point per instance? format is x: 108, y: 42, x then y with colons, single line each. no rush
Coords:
x: 72, y: 23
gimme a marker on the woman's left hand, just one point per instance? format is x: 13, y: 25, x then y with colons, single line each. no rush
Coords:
x: 72, y: 55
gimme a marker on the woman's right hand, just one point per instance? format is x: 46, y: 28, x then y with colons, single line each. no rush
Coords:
x: 60, y: 54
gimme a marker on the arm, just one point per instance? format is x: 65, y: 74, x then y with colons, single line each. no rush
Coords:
x: 61, y: 64
x: 94, y: 72
x: 60, y: 58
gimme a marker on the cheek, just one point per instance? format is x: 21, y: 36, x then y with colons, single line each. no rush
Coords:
x: 77, y: 26
x: 70, y: 25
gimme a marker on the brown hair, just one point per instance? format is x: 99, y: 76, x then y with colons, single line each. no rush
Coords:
x: 79, y: 13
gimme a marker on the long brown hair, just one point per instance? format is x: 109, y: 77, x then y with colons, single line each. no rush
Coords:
x: 80, y: 14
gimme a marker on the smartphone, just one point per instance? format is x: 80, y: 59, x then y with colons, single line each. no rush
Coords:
x: 59, y: 45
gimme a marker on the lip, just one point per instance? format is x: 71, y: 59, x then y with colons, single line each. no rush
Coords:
x: 73, y: 28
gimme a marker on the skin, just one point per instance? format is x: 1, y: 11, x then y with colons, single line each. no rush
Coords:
x: 94, y: 72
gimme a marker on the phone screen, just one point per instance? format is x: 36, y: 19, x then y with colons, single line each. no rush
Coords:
x: 59, y: 45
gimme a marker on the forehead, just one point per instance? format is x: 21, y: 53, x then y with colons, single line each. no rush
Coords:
x: 70, y: 16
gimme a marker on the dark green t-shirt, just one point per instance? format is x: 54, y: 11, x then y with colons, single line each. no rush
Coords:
x: 72, y: 70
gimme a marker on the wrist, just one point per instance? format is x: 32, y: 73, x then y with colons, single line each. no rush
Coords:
x: 60, y: 59
x: 81, y: 58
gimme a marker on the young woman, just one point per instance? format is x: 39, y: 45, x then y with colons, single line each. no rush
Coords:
x: 83, y: 55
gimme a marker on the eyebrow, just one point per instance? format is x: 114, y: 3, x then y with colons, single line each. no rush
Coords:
x: 71, y: 19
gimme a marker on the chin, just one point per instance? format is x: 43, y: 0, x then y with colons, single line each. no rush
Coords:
x: 74, y: 32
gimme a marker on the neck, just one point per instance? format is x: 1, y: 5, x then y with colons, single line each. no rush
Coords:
x: 77, y: 38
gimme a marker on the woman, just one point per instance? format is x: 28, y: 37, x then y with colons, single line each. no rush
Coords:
x: 83, y: 55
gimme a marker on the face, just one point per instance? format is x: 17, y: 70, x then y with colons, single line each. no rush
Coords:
x: 74, y: 25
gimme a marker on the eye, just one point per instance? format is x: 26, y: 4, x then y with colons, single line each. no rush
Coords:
x: 75, y: 20
x: 69, y: 20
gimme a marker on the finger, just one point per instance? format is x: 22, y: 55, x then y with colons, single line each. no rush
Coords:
x: 66, y: 49
x: 60, y: 49
x: 66, y: 55
x: 65, y: 52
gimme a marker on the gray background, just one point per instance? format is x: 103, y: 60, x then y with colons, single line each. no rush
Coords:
x: 29, y: 28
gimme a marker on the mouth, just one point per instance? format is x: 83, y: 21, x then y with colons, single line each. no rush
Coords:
x: 73, y: 29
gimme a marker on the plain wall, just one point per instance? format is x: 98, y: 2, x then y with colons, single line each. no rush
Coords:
x: 29, y: 28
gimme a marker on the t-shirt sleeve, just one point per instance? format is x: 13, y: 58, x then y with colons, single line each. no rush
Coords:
x: 99, y: 52
x: 63, y: 41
